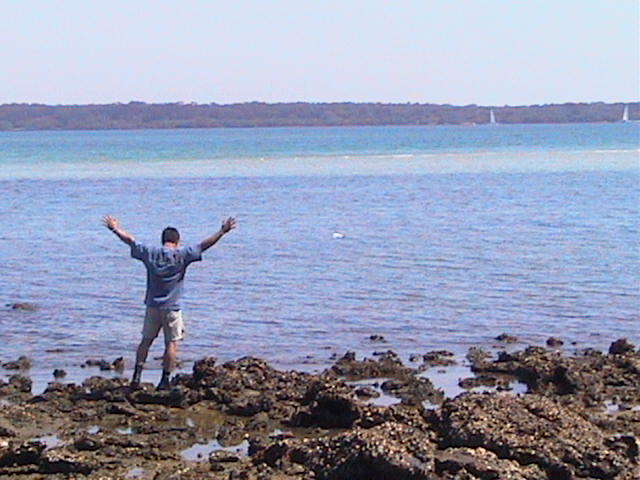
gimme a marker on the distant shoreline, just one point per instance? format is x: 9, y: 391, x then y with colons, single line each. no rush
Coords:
x: 140, y: 115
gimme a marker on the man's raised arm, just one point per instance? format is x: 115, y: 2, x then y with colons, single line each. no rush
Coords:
x: 228, y: 225
x: 113, y: 224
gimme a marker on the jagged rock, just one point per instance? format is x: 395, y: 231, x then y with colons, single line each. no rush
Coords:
x: 438, y: 358
x: 17, y: 384
x: 389, y: 451
x: 413, y: 390
x: 87, y: 444
x: 28, y: 453
x: 176, y: 397
x: 22, y: 363
x: 387, y: 365
x: 554, y: 342
x: 328, y: 407
x: 506, y: 338
x: 479, y: 463
x: 620, y: 347
x: 530, y: 429
x: 6, y: 429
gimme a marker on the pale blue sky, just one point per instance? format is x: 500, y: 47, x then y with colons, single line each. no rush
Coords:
x: 488, y: 52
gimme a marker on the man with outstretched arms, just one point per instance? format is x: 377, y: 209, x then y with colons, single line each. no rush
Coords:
x: 166, y: 267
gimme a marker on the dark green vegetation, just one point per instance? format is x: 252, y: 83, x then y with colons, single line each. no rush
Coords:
x: 255, y: 114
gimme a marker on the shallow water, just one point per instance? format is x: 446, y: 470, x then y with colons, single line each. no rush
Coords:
x: 443, y: 247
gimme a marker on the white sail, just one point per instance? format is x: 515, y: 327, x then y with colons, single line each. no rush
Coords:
x: 492, y: 117
x: 625, y: 114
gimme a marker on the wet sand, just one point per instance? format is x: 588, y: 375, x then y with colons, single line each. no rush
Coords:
x: 526, y: 413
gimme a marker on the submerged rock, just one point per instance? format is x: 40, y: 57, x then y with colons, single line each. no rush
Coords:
x: 554, y: 342
x: 22, y: 363
x: 506, y: 338
x: 26, y: 306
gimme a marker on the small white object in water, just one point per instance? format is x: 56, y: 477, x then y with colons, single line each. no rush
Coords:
x: 338, y: 235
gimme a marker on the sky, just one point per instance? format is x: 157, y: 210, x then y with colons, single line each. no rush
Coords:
x: 485, y: 52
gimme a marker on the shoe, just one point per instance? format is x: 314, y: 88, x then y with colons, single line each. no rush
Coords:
x: 164, y: 384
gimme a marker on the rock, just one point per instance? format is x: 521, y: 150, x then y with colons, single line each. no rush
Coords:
x: 87, y: 444
x: 55, y: 461
x: 387, y: 365
x: 108, y: 389
x: 223, y: 456
x: 413, y: 390
x: 22, y: 363
x: 377, y: 338
x: 366, y: 392
x: 59, y: 373
x: 477, y: 357
x: 479, y: 463
x: 20, y: 383
x: 6, y: 429
x: 25, y: 306
x: 530, y: 429
x: 506, y: 338
x: 328, y: 407
x: 176, y: 397
x: 123, y: 409
x: 388, y: 451
x: 620, y: 347
x: 440, y: 358
x: 554, y: 342
x: 118, y: 364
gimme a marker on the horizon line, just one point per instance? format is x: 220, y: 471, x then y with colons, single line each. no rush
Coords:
x: 346, y: 102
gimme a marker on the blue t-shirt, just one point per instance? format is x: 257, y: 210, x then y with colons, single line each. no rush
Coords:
x: 166, y: 268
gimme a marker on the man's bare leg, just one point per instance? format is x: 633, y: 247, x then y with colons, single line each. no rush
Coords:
x: 141, y: 357
x: 168, y: 364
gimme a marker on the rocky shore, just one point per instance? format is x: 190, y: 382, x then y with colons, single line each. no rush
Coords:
x: 579, y: 419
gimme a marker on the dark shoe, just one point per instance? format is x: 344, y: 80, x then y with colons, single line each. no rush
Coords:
x: 137, y: 374
x: 164, y: 384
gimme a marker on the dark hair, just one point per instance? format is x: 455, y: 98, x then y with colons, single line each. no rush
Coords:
x: 170, y: 234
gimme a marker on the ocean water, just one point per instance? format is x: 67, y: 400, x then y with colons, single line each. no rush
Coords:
x: 451, y: 236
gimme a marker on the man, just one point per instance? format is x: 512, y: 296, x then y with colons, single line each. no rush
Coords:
x: 166, y: 267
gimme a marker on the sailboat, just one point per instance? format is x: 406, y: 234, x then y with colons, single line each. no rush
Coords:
x: 492, y: 118
x: 625, y: 114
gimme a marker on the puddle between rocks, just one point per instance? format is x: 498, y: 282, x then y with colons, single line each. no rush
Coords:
x: 612, y: 407
x: 136, y: 472
x: 49, y: 441
x: 447, y: 378
x: 93, y: 429
x: 200, y: 452
x: 382, y: 399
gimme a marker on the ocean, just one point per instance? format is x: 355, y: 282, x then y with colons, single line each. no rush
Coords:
x: 431, y: 237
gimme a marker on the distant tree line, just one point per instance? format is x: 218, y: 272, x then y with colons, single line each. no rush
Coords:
x: 134, y: 115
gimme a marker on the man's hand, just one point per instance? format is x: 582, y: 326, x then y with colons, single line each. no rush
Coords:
x: 228, y: 225
x: 113, y: 224
x: 110, y: 222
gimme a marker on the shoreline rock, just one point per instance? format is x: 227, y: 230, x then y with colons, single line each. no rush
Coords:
x: 580, y: 418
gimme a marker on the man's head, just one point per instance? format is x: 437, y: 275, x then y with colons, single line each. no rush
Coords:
x: 170, y: 235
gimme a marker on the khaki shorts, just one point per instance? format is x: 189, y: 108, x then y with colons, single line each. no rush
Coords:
x: 169, y: 320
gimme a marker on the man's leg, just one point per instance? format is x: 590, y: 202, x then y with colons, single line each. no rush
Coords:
x: 173, y: 327
x: 168, y: 364
x: 150, y: 330
x: 141, y: 357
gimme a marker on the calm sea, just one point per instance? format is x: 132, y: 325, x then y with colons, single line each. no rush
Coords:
x: 450, y: 236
